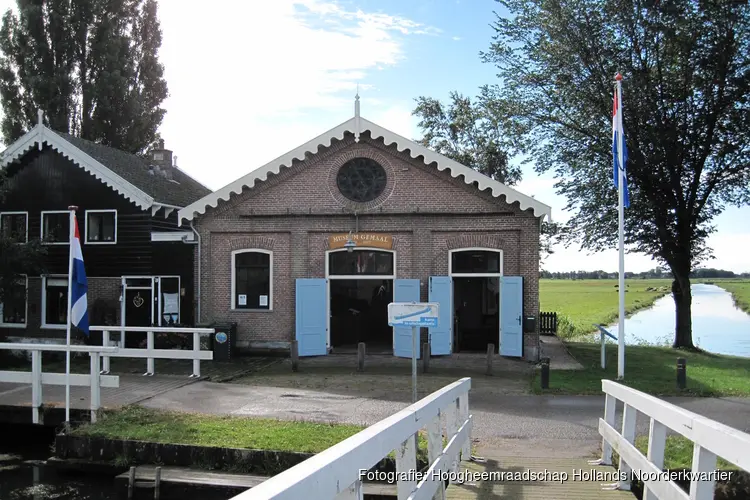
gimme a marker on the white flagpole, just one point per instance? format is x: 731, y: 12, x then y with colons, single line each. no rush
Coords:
x: 621, y: 234
x: 68, y: 326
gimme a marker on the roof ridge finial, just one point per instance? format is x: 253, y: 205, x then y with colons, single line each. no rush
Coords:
x: 356, y: 116
x: 39, y: 117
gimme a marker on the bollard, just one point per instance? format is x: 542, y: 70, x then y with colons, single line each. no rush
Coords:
x: 131, y: 482
x: 681, y: 373
x: 295, y: 356
x: 361, y: 357
x: 490, y: 355
x: 545, y: 373
x: 426, y: 357
x: 157, y: 483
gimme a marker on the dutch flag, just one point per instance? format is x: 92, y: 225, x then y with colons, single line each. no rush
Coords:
x: 617, y: 133
x: 79, y: 314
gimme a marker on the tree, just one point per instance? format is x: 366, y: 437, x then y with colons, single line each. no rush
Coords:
x: 91, y: 65
x: 17, y: 259
x: 686, y: 89
x: 465, y: 133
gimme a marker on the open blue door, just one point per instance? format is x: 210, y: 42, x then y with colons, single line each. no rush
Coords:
x: 405, y: 291
x: 441, y: 336
x: 511, y: 316
x: 311, y: 318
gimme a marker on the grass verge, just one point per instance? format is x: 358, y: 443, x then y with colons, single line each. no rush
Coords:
x: 143, y: 424
x: 678, y: 453
x: 740, y: 291
x: 581, y: 303
x: 652, y: 370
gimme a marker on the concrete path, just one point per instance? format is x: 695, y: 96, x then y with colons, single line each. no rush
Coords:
x: 531, y: 426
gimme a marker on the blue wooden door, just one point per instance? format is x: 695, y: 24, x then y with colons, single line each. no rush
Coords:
x: 441, y: 336
x: 405, y: 291
x: 511, y: 316
x: 311, y: 320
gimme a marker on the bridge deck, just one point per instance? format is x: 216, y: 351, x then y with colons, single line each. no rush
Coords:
x: 530, y: 488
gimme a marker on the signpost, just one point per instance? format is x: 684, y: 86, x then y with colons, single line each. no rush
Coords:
x: 415, y: 315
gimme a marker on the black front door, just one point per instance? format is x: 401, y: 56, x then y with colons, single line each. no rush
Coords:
x: 138, y: 308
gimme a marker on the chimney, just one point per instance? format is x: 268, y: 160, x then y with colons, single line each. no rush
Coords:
x: 161, y: 159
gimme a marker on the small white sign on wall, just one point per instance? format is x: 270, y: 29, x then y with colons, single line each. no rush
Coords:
x: 264, y: 300
x: 242, y: 300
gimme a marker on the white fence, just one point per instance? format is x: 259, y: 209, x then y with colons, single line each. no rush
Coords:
x: 711, y: 440
x: 37, y: 378
x: 336, y: 472
x: 150, y: 353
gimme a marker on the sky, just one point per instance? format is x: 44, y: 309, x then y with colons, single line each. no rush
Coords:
x: 251, y: 80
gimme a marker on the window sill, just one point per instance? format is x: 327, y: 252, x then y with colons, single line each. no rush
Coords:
x: 55, y: 243
x: 101, y: 242
x: 53, y: 327
x: 238, y: 309
x: 19, y: 326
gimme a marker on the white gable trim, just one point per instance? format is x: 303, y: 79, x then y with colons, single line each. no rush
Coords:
x: 455, y: 169
x: 40, y: 135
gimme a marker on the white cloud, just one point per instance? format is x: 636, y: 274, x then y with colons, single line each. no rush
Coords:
x: 456, y: 38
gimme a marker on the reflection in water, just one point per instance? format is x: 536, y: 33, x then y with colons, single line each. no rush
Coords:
x: 718, y: 326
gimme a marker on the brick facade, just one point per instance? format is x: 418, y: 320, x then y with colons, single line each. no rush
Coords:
x: 292, y: 214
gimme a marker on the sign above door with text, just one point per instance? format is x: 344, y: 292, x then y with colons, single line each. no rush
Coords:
x: 370, y: 240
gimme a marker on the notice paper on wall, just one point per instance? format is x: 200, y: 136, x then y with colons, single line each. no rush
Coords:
x: 170, y: 303
x: 242, y: 300
x: 263, y: 300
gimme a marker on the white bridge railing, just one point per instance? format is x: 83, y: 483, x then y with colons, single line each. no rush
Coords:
x: 150, y: 353
x: 711, y: 440
x: 37, y: 378
x: 337, y: 471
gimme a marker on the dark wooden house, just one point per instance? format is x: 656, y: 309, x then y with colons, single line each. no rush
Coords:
x: 138, y: 261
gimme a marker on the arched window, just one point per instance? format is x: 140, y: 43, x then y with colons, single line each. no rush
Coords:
x: 252, y: 279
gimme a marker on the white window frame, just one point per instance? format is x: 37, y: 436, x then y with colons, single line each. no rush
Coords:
x: 475, y: 275
x: 270, y: 278
x: 18, y: 213
x: 26, y: 315
x: 86, y: 227
x: 41, y: 227
x: 45, y: 325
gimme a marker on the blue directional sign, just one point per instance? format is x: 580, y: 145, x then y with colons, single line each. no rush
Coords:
x: 413, y: 314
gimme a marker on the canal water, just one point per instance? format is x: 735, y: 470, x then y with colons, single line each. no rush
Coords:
x: 718, y: 326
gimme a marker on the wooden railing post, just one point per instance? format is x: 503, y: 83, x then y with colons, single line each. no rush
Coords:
x: 704, y: 463
x: 451, y: 427
x: 105, y: 358
x: 149, y: 361
x: 36, y: 385
x: 435, y: 449
x: 95, y: 385
x: 657, y: 441
x: 628, y: 432
x: 353, y: 492
x: 196, y: 349
x: 463, y: 416
x: 406, y: 461
x: 609, y: 416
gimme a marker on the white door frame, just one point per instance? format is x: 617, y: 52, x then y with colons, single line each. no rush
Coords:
x: 157, y: 279
x: 125, y: 287
x: 480, y: 275
x: 391, y: 277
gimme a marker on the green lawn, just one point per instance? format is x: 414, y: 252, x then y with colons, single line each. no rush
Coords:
x: 651, y: 370
x: 142, y: 424
x: 581, y: 303
x: 678, y: 453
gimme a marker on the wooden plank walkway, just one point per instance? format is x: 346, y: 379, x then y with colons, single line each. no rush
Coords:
x: 195, y: 477
x: 545, y: 486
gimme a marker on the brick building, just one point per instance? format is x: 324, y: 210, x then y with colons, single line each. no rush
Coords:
x: 315, y: 244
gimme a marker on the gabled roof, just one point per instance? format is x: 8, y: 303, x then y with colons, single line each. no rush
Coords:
x: 127, y: 174
x: 357, y: 125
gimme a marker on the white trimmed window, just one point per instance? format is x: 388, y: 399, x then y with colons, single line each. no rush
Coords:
x: 101, y: 227
x: 252, y: 279
x: 55, y: 227
x: 15, y: 225
x: 15, y: 305
x: 54, y: 302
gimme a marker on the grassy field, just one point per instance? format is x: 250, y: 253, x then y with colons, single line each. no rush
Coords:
x: 143, y: 424
x: 740, y: 290
x: 651, y: 370
x: 581, y: 303
x: 678, y: 453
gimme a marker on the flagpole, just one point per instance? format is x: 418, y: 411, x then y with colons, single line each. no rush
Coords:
x: 621, y: 234
x: 71, y: 232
